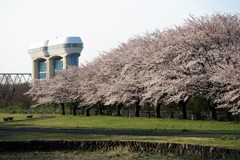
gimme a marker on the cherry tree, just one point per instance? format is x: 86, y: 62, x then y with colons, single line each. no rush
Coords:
x: 229, y: 80
x: 97, y: 79
x: 65, y: 87
x: 199, y: 49
x: 128, y: 84
x: 61, y: 89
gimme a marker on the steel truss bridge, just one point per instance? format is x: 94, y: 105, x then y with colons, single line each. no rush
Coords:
x: 15, y: 78
x: 12, y: 88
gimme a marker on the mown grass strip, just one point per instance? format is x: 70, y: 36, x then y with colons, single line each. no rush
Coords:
x: 127, y: 123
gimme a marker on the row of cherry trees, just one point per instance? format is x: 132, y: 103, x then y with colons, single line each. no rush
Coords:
x: 199, y: 58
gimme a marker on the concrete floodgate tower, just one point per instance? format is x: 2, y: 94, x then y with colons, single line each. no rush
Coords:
x: 52, y: 55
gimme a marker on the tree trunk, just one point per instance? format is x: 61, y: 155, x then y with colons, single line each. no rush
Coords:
x: 119, y: 107
x: 183, y: 107
x: 63, y: 109
x: 157, y: 113
x: 137, y: 109
x: 214, y: 112
x: 172, y: 115
x: 148, y: 113
x: 74, y: 109
x: 87, y: 111
x: 229, y: 116
x: 100, y: 106
x: 212, y: 107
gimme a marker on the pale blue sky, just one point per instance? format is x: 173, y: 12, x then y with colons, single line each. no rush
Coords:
x: 102, y: 24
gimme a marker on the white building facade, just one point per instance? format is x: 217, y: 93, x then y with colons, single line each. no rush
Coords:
x: 52, y: 55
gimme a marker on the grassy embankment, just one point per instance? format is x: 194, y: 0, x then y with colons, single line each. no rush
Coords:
x: 123, y: 123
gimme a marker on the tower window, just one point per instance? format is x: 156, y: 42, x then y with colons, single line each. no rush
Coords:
x: 74, y: 59
x: 58, y: 65
x: 42, y: 69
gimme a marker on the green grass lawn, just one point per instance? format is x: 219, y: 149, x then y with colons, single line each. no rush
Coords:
x: 121, y: 123
x: 125, y: 123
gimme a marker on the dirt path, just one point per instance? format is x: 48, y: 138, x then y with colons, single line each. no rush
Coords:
x: 117, y: 132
